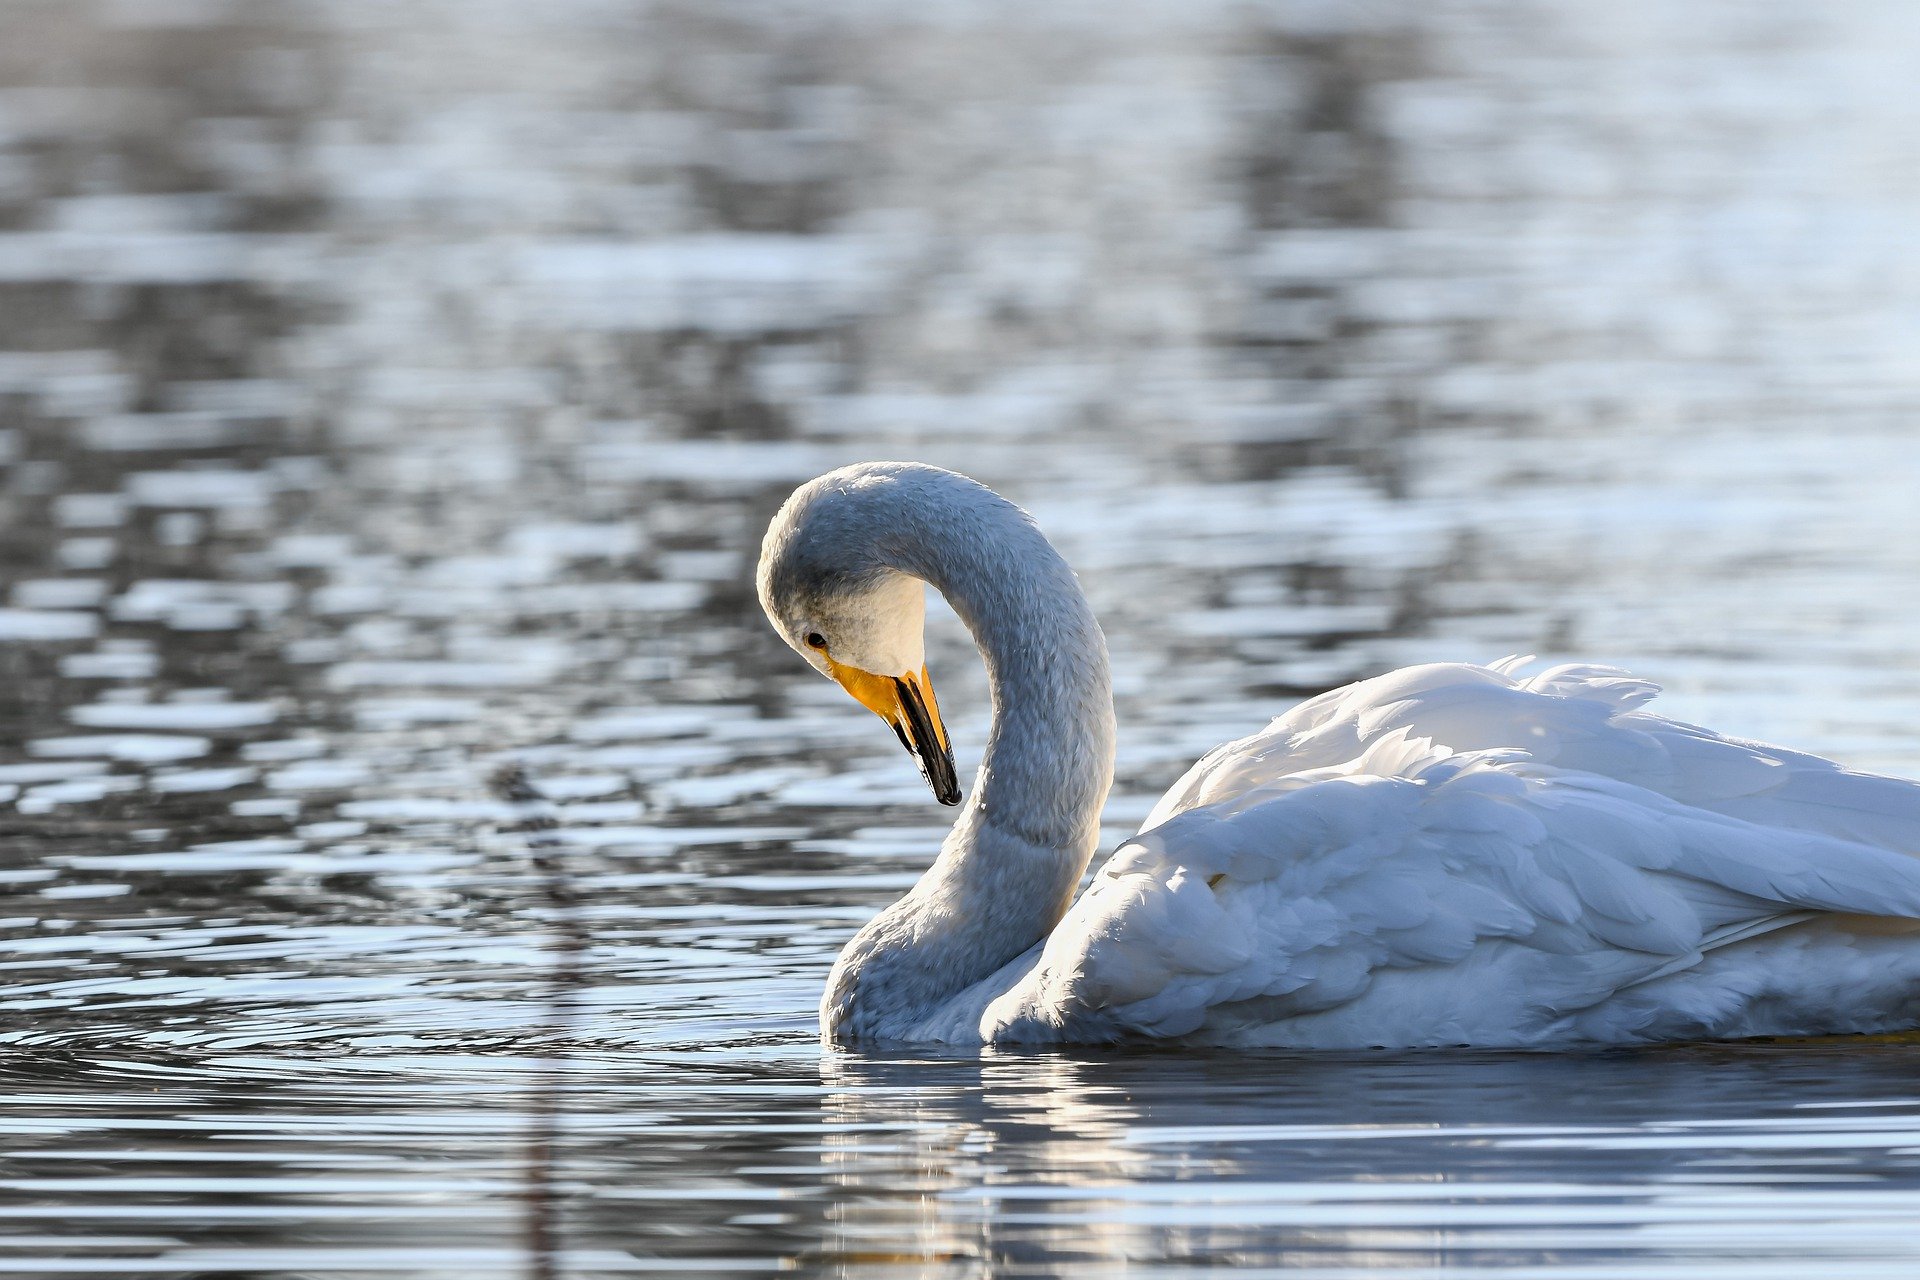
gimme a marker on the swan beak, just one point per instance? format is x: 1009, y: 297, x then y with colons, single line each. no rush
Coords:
x: 907, y: 703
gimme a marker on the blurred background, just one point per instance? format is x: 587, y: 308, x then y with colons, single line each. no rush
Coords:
x: 392, y: 390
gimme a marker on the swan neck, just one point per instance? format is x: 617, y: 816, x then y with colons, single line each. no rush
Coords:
x: 1048, y: 761
x: 1010, y: 867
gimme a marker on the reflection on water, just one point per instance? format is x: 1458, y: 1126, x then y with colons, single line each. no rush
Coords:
x: 1318, y: 1165
x: 391, y: 393
x: 1775, y: 1162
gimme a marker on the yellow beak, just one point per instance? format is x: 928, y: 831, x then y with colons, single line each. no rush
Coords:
x: 907, y: 703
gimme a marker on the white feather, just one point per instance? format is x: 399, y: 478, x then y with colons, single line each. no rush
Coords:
x: 1429, y: 891
x: 1445, y: 854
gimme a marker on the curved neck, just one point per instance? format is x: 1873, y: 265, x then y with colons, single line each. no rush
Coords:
x: 1049, y: 756
x: 1008, y: 870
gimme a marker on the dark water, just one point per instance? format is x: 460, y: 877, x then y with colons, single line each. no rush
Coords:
x: 393, y: 392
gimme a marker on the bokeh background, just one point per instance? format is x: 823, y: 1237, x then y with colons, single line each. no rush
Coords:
x: 389, y: 391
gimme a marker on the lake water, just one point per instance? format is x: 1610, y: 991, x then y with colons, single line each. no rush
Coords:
x: 392, y: 392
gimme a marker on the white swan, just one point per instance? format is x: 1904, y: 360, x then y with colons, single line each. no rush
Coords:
x: 1443, y: 855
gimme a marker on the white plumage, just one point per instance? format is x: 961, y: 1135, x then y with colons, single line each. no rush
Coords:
x: 1565, y: 868
x: 1444, y: 855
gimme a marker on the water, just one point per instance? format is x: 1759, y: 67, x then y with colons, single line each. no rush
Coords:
x: 389, y: 393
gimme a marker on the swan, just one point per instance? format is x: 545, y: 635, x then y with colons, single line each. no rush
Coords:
x: 1447, y: 854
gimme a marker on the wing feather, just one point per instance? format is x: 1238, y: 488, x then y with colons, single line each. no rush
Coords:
x: 1515, y: 850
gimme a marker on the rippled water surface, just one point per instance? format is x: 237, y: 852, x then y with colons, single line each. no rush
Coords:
x: 393, y: 392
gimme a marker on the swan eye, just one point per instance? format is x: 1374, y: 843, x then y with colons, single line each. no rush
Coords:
x: 816, y: 641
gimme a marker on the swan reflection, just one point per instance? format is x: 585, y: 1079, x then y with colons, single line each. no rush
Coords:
x: 1081, y: 1163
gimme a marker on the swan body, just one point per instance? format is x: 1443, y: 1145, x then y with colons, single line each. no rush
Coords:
x: 1443, y: 855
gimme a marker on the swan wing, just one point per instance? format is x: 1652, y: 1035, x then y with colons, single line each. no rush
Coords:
x: 1346, y: 879
x: 1588, y: 719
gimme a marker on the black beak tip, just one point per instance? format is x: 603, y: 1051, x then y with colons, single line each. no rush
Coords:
x: 941, y: 775
x: 918, y: 732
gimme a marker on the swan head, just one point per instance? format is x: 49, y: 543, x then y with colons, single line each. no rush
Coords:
x: 856, y: 620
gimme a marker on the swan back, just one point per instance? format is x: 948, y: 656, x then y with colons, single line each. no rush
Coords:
x: 1453, y: 855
